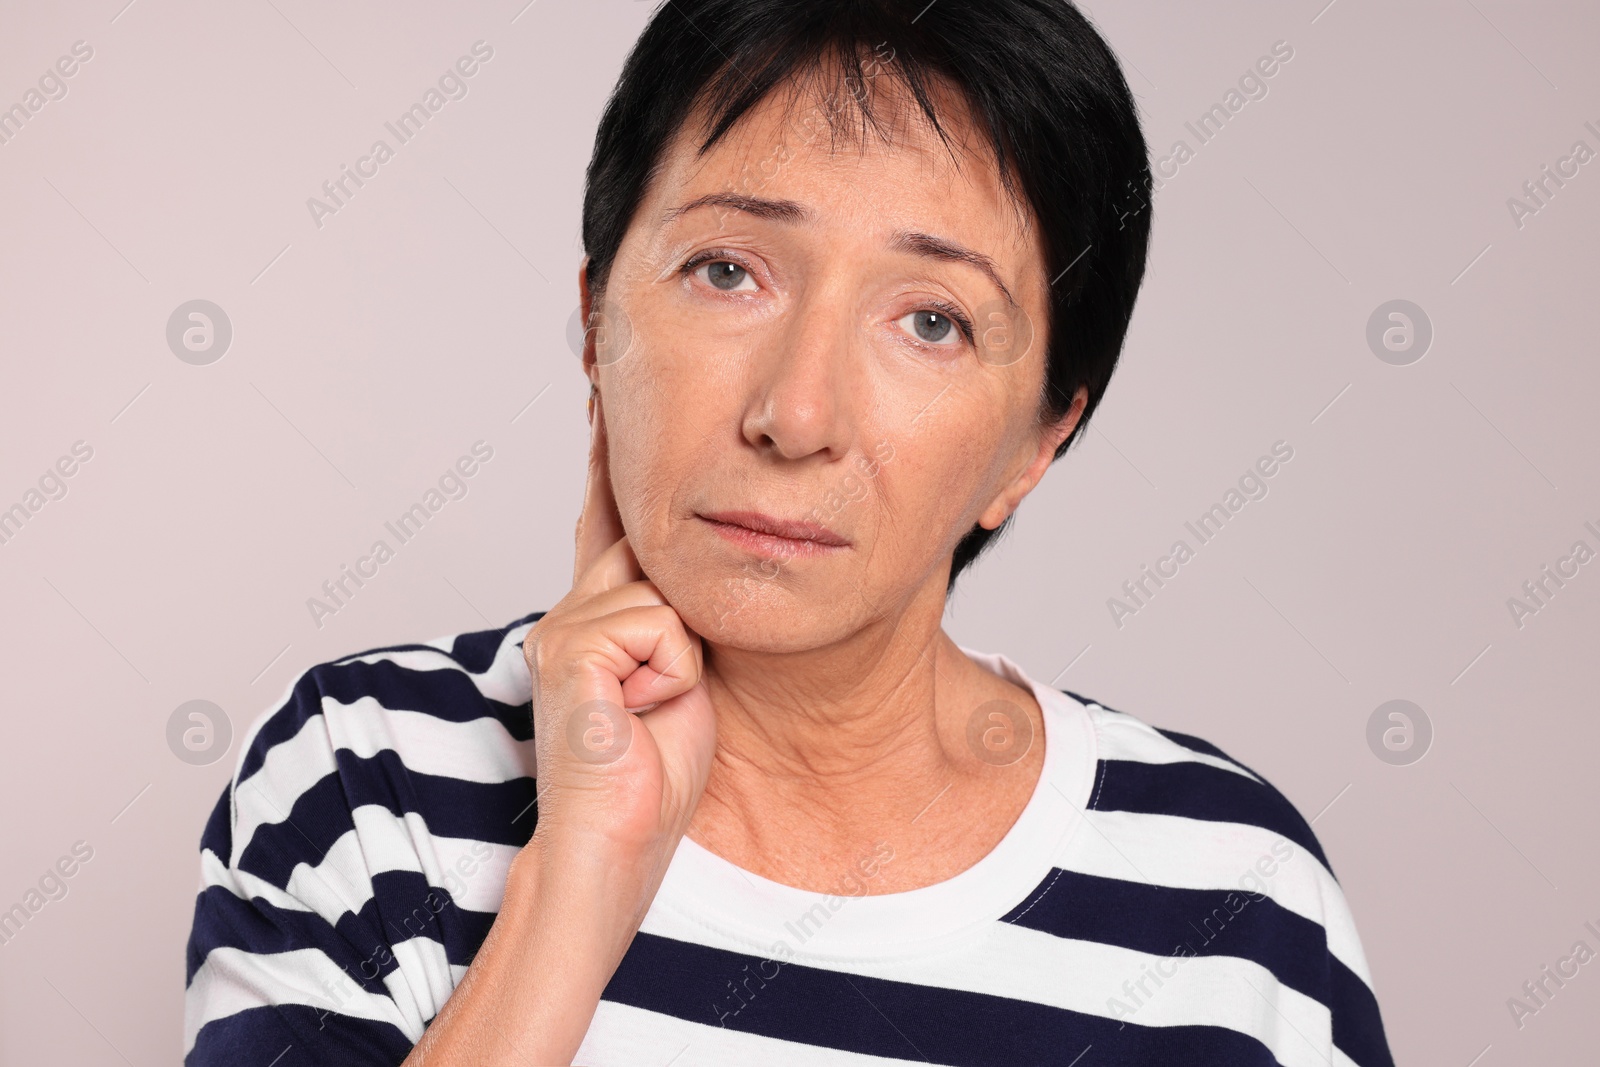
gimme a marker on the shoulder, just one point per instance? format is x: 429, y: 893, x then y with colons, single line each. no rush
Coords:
x: 437, y: 732
x: 1178, y: 815
x: 1194, y: 854
x: 453, y: 679
x: 357, y: 858
x: 1148, y: 770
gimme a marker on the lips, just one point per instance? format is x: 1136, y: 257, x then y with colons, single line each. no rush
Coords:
x: 785, y: 529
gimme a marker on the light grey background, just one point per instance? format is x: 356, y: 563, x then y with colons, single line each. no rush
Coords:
x: 431, y: 312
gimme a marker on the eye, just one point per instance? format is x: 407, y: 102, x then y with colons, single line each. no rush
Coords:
x: 726, y: 275
x: 934, y: 327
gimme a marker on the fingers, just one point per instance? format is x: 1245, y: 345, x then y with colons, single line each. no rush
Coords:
x: 581, y: 605
x: 664, y: 676
x: 685, y: 733
x: 643, y: 653
x: 650, y: 682
x: 616, y: 566
x: 599, y: 524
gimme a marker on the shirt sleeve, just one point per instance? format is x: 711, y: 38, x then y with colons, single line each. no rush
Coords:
x: 1301, y: 927
x: 1358, y: 1035
x: 287, y: 960
x: 1343, y: 982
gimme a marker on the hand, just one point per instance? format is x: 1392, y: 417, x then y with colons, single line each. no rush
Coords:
x: 623, y: 725
x: 623, y: 737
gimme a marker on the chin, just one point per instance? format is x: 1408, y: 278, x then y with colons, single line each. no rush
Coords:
x: 745, y: 599
x: 746, y: 611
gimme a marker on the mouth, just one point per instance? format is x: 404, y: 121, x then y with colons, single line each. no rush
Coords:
x: 774, y: 537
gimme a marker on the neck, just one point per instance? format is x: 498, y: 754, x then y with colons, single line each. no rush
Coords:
x: 824, y: 753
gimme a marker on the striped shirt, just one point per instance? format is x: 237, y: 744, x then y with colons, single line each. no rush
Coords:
x: 1155, y: 902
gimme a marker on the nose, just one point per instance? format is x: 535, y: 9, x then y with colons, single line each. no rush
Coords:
x: 805, y: 375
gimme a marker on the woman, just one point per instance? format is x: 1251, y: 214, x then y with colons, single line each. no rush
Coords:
x: 858, y: 272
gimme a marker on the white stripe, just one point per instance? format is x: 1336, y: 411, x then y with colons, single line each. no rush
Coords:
x: 290, y: 768
x: 1170, y: 850
x: 338, y: 883
x: 478, y: 750
x: 242, y: 884
x: 423, y: 981
x: 1206, y: 852
x: 624, y: 1036
x: 1127, y: 737
x: 1124, y: 737
x: 231, y: 981
x: 473, y: 873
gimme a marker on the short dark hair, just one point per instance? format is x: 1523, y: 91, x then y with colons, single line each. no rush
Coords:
x: 1041, y: 84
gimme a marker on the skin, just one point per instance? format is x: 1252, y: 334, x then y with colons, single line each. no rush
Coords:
x: 786, y: 709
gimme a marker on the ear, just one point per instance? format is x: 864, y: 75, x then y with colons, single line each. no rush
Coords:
x: 1050, y: 438
x: 585, y: 311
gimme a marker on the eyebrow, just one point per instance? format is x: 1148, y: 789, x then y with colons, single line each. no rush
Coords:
x: 788, y: 211
x: 924, y: 244
x: 760, y: 207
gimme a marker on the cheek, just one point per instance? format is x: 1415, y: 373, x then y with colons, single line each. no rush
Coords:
x: 645, y: 460
x: 931, y: 491
x: 659, y: 427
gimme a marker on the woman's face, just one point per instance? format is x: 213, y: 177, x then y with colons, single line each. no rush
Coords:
x: 838, y: 334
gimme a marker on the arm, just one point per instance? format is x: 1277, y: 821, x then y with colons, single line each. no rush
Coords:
x: 1357, y: 1023
x: 271, y: 969
x: 569, y: 914
x: 616, y: 790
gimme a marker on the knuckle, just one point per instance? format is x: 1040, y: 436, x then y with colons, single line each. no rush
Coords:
x: 540, y: 648
x: 666, y: 617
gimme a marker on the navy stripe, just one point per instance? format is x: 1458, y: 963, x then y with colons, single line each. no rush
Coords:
x: 318, y: 818
x: 218, y: 834
x: 303, y: 702
x: 1164, y: 921
x: 302, y: 1036
x: 1357, y: 1023
x: 403, y: 906
x: 222, y: 920
x: 1286, y: 818
x: 445, y: 693
x: 498, y: 813
x: 1205, y: 748
x: 1199, y: 791
x: 877, y: 1017
x: 476, y: 651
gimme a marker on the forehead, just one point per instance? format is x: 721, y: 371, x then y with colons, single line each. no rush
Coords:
x: 883, y: 166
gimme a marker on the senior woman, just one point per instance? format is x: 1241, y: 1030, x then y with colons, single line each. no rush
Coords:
x: 858, y: 272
